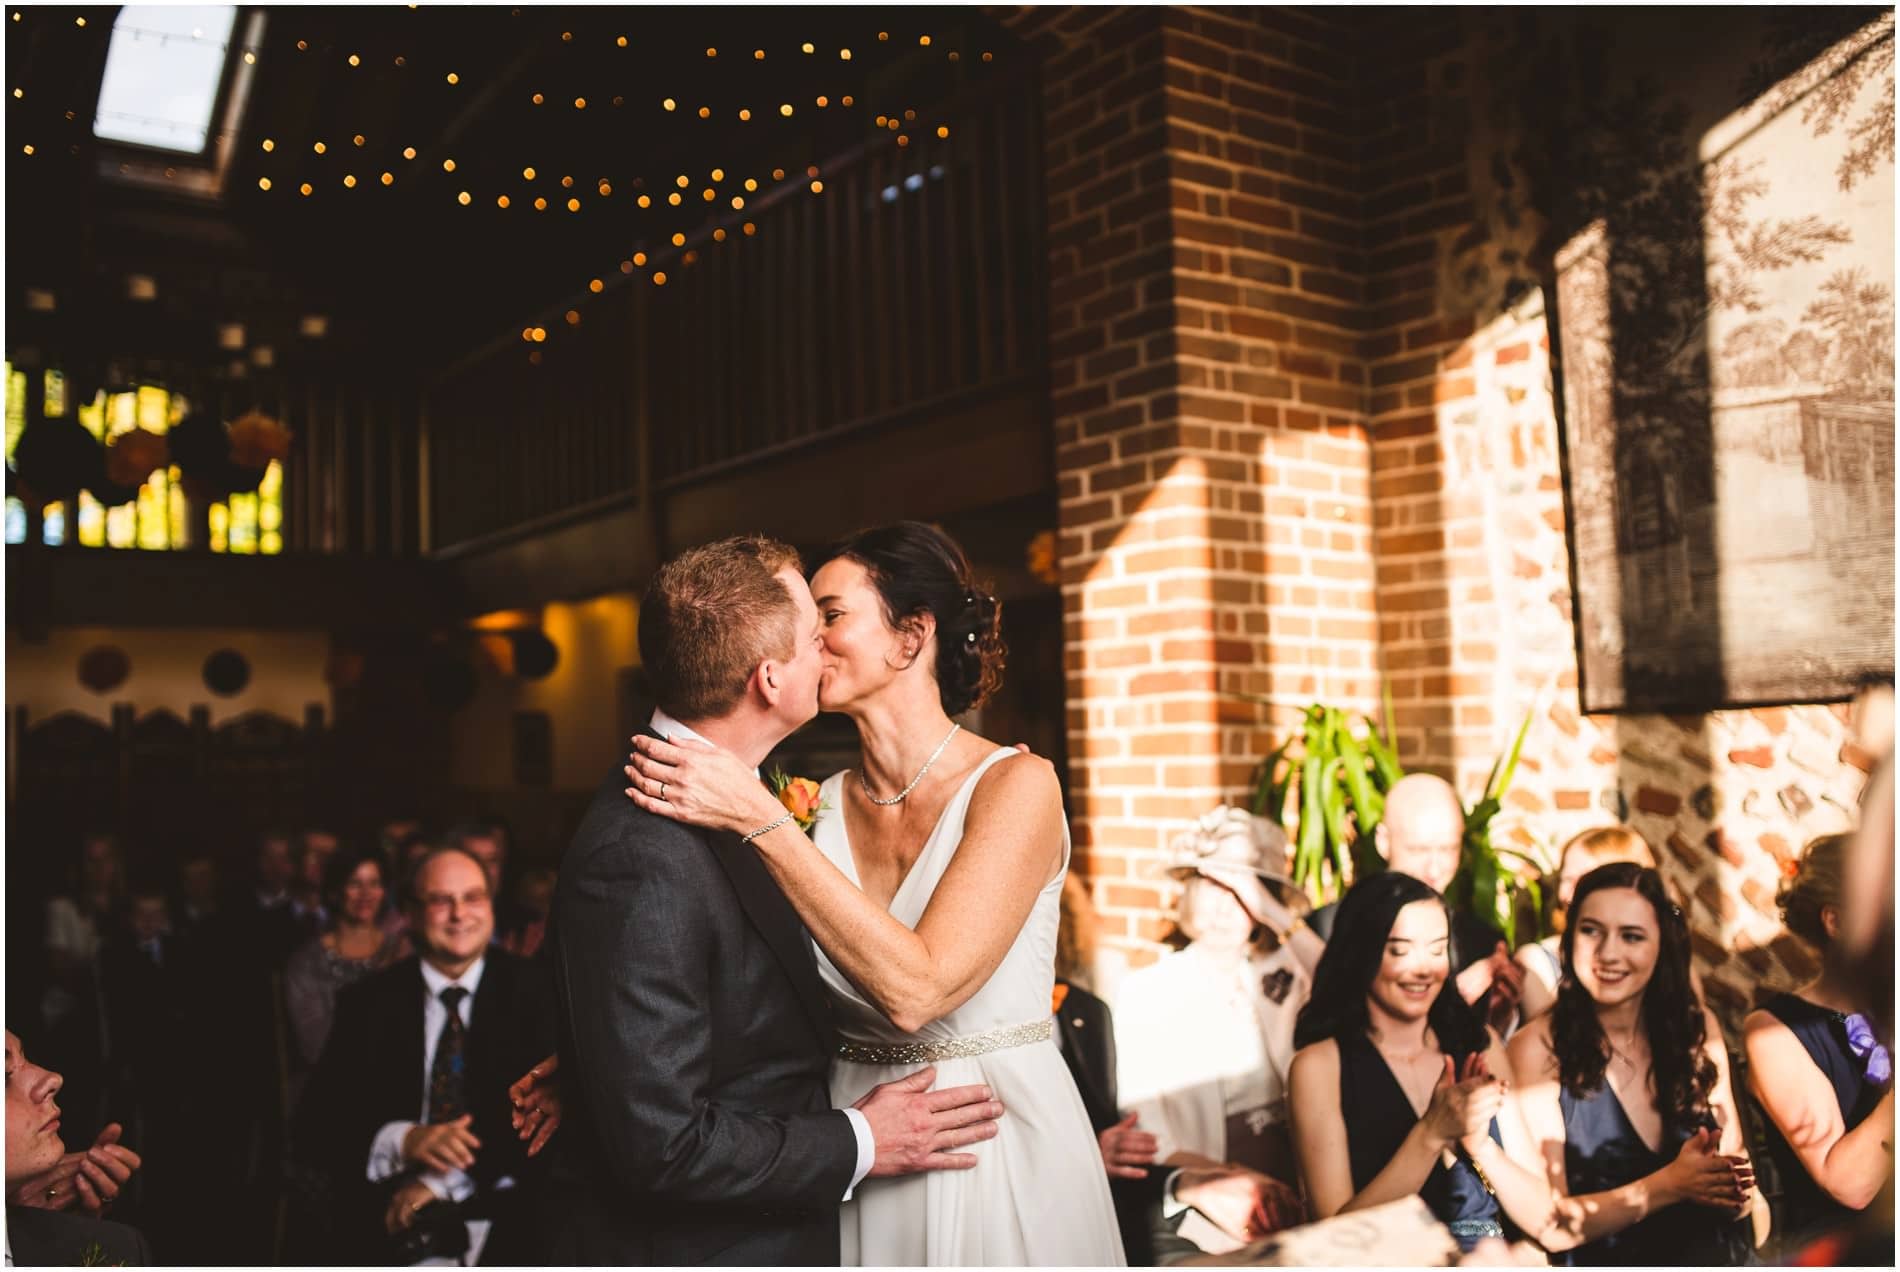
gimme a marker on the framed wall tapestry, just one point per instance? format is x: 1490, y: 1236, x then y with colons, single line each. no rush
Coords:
x: 1726, y: 332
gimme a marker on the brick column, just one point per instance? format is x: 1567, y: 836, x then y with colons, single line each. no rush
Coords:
x: 1208, y: 404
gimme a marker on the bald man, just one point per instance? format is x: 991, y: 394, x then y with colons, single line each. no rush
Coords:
x: 1422, y: 835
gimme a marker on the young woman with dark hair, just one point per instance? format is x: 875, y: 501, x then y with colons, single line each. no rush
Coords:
x: 1626, y: 1089
x: 931, y: 884
x: 1397, y: 1089
x: 1819, y: 1074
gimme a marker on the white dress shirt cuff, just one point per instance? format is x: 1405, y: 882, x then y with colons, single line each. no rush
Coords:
x: 385, y: 1151
x: 1170, y: 1204
x: 385, y: 1160
x: 867, y: 1149
x: 448, y: 1185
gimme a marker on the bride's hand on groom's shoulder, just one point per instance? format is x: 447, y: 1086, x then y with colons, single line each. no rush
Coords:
x: 698, y: 784
x: 915, y: 1129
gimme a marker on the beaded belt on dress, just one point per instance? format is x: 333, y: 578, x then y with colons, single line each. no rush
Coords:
x: 1471, y: 1229
x: 947, y: 1048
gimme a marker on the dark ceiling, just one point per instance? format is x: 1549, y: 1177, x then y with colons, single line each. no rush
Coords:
x: 407, y: 274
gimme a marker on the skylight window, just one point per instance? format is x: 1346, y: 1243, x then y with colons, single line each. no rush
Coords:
x: 162, y: 75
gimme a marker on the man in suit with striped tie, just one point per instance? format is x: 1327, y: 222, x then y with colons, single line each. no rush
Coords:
x: 408, y: 1110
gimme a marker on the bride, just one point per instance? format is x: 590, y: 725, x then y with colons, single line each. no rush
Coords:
x: 933, y: 897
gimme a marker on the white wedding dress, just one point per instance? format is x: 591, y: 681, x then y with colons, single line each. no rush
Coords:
x: 1039, y: 1193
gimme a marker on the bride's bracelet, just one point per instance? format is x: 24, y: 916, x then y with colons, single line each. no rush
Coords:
x: 766, y: 830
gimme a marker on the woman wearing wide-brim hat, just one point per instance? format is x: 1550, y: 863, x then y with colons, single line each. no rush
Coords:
x: 1204, y: 1037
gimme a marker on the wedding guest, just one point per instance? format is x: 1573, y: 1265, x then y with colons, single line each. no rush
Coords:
x: 355, y: 945
x: 1205, y: 1037
x: 39, y: 1235
x: 266, y: 926
x: 1626, y: 1089
x: 1821, y: 1078
x: 408, y: 1106
x: 1085, y: 1033
x: 72, y: 1006
x: 310, y: 859
x: 533, y: 896
x: 1539, y: 961
x: 77, y: 921
x: 486, y: 840
x: 1397, y: 1089
x: 1422, y: 834
x: 201, y: 907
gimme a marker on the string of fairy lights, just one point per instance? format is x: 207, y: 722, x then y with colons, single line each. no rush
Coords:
x: 723, y: 193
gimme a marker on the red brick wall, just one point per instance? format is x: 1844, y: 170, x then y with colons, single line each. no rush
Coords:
x: 1208, y: 408
x: 1305, y: 440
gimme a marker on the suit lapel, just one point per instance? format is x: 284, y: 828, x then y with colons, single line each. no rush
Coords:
x: 773, y: 916
x: 410, y: 1025
x: 765, y: 905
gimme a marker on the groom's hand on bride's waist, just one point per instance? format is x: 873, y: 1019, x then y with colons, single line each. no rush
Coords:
x: 916, y: 1129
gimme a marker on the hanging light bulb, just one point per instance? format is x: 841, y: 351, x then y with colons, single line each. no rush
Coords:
x: 349, y: 181
x: 454, y: 78
x: 267, y: 143
x: 669, y: 103
x: 448, y: 165
x: 409, y: 152
x: 263, y: 183
x: 527, y: 174
x: 319, y: 147
x: 464, y: 198
x: 389, y: 178
x: 596, y: 286
x: 501, y: 201
x: 679, y: 240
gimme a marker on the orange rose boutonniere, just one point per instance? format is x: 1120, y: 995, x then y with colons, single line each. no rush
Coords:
x: 799, y: 795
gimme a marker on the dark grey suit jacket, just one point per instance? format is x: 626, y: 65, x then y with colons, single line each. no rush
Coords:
x: 695, y: 1048
x: 57, y: 1238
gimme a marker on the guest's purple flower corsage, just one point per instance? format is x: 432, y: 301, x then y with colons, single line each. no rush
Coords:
x: 1860, y: 1038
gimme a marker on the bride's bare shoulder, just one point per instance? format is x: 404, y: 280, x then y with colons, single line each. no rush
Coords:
x: 1017, y: 783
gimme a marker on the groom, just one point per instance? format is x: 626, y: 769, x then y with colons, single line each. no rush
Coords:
x: 695, y: 1033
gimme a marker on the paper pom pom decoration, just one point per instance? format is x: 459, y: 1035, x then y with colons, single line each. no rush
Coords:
x: 226, y: 673
x: 104, y: 668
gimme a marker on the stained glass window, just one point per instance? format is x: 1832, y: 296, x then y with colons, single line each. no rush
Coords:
x: 157, y: 519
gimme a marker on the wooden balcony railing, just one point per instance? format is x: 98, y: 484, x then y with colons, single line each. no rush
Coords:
x: 911, y: 284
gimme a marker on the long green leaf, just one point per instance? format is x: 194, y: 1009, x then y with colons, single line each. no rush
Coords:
x: 1484, y: 890
x: 1368, y: 804
x: 1332, y: 801
x: 1384, y: 761
x: 1312, y: 825
x: 1510, y: 765
x: 1263, y: 803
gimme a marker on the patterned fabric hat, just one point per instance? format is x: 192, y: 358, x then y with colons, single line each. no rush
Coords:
x: 1233, y: 847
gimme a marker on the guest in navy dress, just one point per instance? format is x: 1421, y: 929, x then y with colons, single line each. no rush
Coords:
x: 1626, y: 1090
x: 1397, y: 1089
x: 1822, y: 1080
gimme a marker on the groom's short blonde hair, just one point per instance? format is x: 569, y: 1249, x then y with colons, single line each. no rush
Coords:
x: 711, y: 615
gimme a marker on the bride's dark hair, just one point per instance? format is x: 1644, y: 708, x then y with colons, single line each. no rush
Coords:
x: 917, y: 569
x: 1682, y: 1074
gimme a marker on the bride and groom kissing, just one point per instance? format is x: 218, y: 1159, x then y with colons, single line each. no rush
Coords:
x: 838, y: 1049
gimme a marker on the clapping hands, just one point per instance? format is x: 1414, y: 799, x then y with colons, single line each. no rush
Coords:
x: 1463, y: 1105
x: 88, y: 1180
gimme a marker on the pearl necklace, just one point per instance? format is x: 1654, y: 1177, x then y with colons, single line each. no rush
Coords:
x: 899, y: 797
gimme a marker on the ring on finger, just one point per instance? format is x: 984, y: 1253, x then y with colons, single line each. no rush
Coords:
x: 663, y: 792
